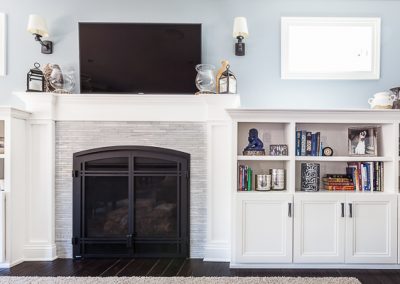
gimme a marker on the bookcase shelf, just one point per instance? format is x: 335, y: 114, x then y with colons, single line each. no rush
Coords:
x: 263, y: 158
x: 342, y: 159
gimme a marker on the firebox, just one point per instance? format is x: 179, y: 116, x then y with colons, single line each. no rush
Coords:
x: 130, y: 201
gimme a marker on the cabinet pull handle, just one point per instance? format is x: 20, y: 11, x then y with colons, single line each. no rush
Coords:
x: 289, y: 210
x: 342, y: 205
x: 351, y: 210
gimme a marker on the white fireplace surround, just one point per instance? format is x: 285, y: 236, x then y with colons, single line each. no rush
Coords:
x: 46, y: 109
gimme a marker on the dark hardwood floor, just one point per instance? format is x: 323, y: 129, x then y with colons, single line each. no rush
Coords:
x: 182, y: 267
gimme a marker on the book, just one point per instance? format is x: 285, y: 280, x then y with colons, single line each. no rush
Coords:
x: 345, y: 176
x: 357, y: 174
x: 339, y: 187
x: 298, y: 143
x: 249, y: 178
x: 339, y: 183
x: 308, y: 143
x: 319, y: 144
x: 314, y: 147
x: 327, y: 179
x: 303, y: 142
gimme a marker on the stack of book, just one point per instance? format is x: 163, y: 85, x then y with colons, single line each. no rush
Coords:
x: 245, y: 176
x: 308, y: 143
x: 367, y: 176
x: 337, y: 182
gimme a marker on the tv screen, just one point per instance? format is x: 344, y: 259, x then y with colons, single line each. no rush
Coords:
x: 139, y: 58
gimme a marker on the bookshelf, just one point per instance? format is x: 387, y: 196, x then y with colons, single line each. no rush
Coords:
x: 292, y: 220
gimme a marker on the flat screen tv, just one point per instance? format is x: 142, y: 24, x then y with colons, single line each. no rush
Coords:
x: 135, y: 58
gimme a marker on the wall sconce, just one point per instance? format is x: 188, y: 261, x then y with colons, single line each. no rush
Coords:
x: 37, y: 26
x: 240, y: 32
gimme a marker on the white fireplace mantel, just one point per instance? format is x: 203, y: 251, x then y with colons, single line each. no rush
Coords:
x: 46, y: 109
x: 115, y: 107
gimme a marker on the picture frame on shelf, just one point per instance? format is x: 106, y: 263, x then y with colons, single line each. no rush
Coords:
x: 363, y: 141
x: 278, y: 150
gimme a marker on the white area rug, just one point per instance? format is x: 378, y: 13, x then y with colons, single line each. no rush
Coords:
x: 179, y: 280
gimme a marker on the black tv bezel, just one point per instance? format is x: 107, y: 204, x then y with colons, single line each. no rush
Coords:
x: 138, y: 23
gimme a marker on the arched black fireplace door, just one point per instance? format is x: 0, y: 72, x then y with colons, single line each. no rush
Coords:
x: 130, y: 201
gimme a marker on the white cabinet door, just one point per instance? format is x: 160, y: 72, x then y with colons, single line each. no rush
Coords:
x: 371, y: 228
x: 264, y: 228
x: 319, y: 228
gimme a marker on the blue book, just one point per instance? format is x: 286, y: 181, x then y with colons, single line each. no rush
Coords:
x: 367, y: 176
x: 298, y: 143
x: 314, y: 145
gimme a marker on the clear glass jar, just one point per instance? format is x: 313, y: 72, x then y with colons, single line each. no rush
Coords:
x: 205, y: 79
x: 63, y: 82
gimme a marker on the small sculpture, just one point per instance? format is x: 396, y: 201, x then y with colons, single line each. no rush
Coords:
x: 256, y: 146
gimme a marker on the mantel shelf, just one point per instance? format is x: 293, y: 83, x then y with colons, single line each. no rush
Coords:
x: 128, y: 107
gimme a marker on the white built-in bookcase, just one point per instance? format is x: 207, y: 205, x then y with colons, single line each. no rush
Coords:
x: 282, y: 130
x: 292, y: 228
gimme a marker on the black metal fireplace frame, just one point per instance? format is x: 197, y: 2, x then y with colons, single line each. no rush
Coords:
x: 182, y: 240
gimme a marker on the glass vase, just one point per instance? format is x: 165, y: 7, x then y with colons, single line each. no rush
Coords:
x: 205, y: 79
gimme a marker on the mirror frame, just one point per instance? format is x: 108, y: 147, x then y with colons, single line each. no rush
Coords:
x: 373, y: 22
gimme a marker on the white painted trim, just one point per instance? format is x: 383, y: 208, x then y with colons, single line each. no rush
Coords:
x: 373, y: 22
x: 217, y: 251
x: 9, y: 265
x: 313, y: 266
x: 40, y: 252
x: 3, y: 44
x: 114, y: 107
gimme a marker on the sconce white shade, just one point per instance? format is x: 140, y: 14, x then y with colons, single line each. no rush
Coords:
x: 37, y: 25
x: 240, y: 27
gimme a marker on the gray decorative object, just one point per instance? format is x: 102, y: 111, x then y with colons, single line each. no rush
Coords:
x: 277, y: 179
x: 310, y: 176
x: 396, y: 92
x: 263, y: 182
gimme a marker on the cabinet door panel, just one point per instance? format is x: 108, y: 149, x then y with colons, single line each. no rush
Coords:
x: 371, y: 229
x: 265, y: 230
x: 319, y: 229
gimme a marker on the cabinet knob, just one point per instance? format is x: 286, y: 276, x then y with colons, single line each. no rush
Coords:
x: 289, y: 210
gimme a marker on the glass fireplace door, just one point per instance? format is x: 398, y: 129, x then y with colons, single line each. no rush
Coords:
x: 106, y: 205
x: 156, y: 205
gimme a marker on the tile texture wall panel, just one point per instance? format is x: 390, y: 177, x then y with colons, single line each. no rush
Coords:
x: 77, y: 136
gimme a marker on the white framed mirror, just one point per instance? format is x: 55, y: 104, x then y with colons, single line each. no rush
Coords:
x: 2, y: 44
x: 331, y: 48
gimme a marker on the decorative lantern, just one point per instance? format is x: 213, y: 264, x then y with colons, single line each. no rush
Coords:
x: 227, y: 82
x: 35, y: 79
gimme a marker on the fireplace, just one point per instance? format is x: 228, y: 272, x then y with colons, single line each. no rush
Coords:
x: 130, y: 201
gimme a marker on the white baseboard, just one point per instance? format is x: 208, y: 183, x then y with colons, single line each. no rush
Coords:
x: 312, y: 266
x: 40, y: 252
x: 9, y: 265
x: 217, y: 251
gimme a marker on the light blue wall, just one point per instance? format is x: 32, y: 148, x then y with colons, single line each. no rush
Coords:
x: 258, y: 72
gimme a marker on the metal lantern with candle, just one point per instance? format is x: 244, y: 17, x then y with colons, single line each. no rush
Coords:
x: 35, y: 79
x: 227, y: 82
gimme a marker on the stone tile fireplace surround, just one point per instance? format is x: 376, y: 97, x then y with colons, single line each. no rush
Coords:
x: 75, y: 136
x: 60, y: 125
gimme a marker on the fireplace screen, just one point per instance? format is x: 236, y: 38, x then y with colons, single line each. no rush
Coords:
x: 131, y: 201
